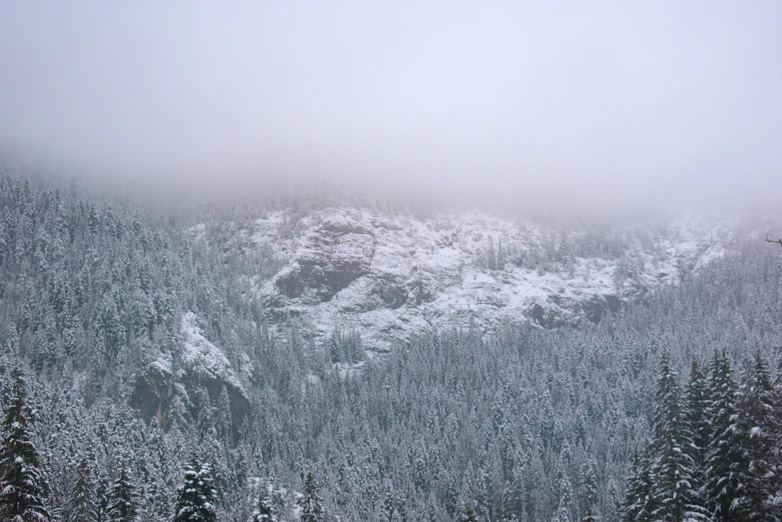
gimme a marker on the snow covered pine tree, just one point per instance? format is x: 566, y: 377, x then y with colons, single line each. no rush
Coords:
x: 675, y: 499
x: 696, y: 414
x: 724, y: 452
x: 195, y: 502
x: 756, y: 428
x: 639, y: 503
x: 81, y: 506
x: 21, y: 487
x: 122, y: 499
x: 311, y: 503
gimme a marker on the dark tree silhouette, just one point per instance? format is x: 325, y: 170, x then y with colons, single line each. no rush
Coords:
x: 768, y: 238
x: 311, y: 503
x: 21, y: 486
x: 122, y: 503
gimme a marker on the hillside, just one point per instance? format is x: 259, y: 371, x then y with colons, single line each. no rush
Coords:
x: 250, y: 343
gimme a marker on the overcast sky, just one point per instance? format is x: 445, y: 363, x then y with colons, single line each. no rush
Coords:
x: 604, y: 104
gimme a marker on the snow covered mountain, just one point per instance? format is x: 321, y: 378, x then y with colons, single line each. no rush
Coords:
x: 387, y: 276
x: 139, y: 336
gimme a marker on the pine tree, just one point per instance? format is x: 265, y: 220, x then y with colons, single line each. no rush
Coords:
x: 468, y: 515
x: 564, y: 492
x: 81, y: 505
x: 263, y: 511
x: 697, y: 403
x: 668, y: 415
x: 223, y: 420
x: 21, y: 487
x: 311, y: 503
x: 724, y: 455
x: 589, y: 485
x: 696, y: 415
x: 122, y: 499
x: 673, y: 493
x: 195, y: 501
x: 756, y: 428
x: 93, y: 222
x: 639, y: 503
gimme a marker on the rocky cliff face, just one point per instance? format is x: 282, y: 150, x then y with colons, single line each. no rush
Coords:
x: 200, y: 364
x: 388, y: 276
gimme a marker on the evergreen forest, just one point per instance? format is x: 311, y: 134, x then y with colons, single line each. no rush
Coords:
x: 668, y: 410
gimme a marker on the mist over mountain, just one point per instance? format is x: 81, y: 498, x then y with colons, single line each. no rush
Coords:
x: 585, y: 108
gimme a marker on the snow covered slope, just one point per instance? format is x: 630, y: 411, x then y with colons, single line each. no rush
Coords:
x: 387, y: 276
x: 203, y: 359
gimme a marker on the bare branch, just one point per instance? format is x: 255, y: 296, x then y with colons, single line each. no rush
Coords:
x: 768, y: 238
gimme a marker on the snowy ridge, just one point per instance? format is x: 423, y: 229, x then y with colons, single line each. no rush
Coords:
x: 388, y: 276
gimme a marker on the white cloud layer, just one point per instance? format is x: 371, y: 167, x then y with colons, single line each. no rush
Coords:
x: 596, y: 105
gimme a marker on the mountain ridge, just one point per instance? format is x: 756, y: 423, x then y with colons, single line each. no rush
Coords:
x: 387, y: 276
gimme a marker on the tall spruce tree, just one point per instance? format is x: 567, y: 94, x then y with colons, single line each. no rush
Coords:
x: 724, y: 455
x: 81, y: 503
x: 122, y: 498
x: 21, y: 486
x: 674, y: 496
x: 589, y: 485
x: 310, y: 503
x: 676, y: 501
x: 196, y: 498
x: 696, y: 414
x: 756, y: 429
x: 639, y: 503
x: 668, y: 412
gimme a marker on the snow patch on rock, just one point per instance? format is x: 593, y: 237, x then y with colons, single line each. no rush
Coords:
x: 201, y: 357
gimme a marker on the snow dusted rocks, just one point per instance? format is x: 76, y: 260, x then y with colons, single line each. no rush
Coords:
x: 203, y: 360
x: 328, y: 260
x: 200, y: 363
x: 388, y: 276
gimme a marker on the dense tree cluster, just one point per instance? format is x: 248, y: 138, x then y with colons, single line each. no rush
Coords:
x: 522, y: 424
x: 715, y: 453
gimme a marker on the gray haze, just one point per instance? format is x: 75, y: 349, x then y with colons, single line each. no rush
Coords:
x: 573, y: 105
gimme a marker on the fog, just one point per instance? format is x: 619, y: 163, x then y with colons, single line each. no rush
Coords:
x: 588, y: 106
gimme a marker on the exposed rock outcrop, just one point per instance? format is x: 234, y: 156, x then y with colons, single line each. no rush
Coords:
x: 388, y: 276
x: 201, y: 365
